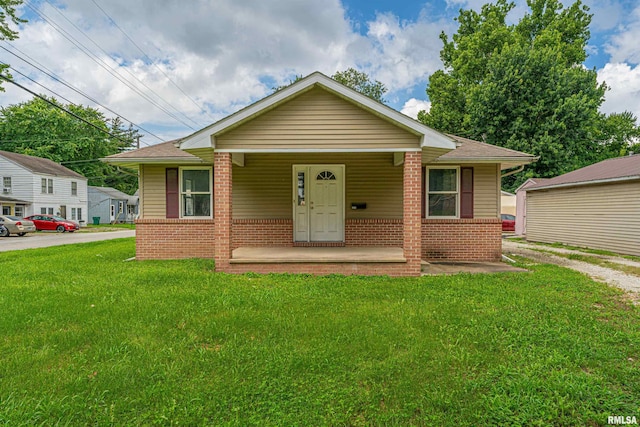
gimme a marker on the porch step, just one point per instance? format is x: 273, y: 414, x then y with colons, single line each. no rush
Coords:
x: 288, y: 255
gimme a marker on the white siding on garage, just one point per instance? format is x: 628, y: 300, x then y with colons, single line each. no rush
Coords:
x: 603, y: 216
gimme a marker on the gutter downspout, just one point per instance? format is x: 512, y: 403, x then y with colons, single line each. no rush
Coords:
x: 514, y: 171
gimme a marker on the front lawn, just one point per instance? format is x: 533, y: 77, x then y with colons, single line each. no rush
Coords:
x: 90, y: 339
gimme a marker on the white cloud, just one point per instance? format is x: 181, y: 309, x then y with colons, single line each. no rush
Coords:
x: 413, y: 106
x: 623, y: 46
x: 624, y: 82
x: 224, y: 57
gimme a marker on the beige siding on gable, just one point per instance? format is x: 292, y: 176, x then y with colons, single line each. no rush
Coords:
x: 597, y: 216
x: 153, y: 194
x: 317, y: 119
x: 263, y: 188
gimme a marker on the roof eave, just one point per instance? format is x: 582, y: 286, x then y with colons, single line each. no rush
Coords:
x: 583, y: 183
x: 152, y: 160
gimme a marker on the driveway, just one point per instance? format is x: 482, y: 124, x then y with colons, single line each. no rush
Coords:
x: 45, y: 239
x: 613, y: 277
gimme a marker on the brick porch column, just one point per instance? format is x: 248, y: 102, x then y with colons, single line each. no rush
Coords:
x: 412, y: 224
x: 222, y: 172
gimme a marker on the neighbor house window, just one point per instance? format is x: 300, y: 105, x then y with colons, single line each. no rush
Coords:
x: 79, y: 214
x: 73, y: 213
x: 19, y: 211
x: 46, y: 186
x: 43, y: 210
x: 50, y: 210
x: 442, y: 192
x: 120, y: 207
x: 74, y: 188
x: 6, y: 184
x: 195, y: 192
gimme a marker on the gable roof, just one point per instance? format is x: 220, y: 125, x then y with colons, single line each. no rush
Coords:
x: 610, y: 170
x: 40, y: 165
x: 530, y: 182
x: 205, y: 138
x: 113, y: 193
x: 470, y: 151
x: 165, y: 152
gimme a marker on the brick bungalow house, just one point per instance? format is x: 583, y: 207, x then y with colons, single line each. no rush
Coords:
x: 318, y: 178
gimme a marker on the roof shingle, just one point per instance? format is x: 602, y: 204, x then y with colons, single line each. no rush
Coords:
x: 39, y: 165
x: 607, y: 170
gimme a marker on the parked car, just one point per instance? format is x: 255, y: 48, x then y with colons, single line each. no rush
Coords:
x: 53, y: 222
x: 17, y: 225
x: 508, y: 222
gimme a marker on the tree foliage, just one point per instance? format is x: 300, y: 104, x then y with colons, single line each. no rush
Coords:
x: 360, y: 82
x: 8, y: 13
x: 356, y: 80
x: 524, y: 87
x: 38, y: 129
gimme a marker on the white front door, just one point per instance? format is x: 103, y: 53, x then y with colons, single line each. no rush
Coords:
x: 318, y: 206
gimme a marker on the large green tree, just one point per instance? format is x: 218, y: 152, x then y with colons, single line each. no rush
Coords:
x: 524, y: 87
x: 39, y: 129
x: 8, y: 13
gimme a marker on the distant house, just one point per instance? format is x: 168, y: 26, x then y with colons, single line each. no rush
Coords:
x: 507, y: 203
x: 597, y: 206
x: 111, y: 205
x: 31, y: 185
x: 521, y: 204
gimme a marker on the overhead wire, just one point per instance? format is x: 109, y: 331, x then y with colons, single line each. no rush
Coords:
x: 146, y: 56
x: 53, y: 76
x: 105, y: 66
x: 53, y: 104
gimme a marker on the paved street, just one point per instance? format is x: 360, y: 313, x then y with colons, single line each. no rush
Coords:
x: 45, y: 239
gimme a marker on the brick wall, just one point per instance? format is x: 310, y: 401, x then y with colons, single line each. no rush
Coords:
x: 462, y: 239
x: 175, y: 238
x: 222, y: 171
x: 373, y: 232
x: 412, y: 211
x: 262, y: 232
x: 364, y: 269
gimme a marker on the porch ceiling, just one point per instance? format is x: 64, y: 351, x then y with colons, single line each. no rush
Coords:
x: 284, y: 255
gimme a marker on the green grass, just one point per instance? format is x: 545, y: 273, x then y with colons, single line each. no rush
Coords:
x: 579, y: 248
x: 88, y: 339
x: 628, y: 269
x: 102, y: 227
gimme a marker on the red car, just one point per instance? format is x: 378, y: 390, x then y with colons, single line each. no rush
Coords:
x: 53, y: 222
x: 508, y: 222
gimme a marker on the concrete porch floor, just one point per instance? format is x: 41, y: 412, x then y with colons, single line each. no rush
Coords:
x: 279, y: 254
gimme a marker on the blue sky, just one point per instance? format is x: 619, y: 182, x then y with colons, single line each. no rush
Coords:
x: 173, y: 67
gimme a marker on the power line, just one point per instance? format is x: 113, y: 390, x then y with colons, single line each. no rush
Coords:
x: 68, y: 85
x: 106, y: 67
x: 151, y: 61
x: 53, y: 104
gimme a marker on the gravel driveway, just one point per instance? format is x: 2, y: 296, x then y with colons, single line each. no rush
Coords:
x: 45, y: 239
x: 613, y: 277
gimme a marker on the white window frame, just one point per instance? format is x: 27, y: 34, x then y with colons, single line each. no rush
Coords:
x: 74, y: 188
x: 73, y: 214
x: 181, y: 193
x: 6, y: 188
x: 112, y: 212
x: 427, y: 192
x: 43, y: 185
x: 120, y: 207
x: 50, y: 186
x: 79, y: 211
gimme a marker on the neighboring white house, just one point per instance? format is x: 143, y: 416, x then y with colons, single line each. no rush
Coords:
x: 31, y: 185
